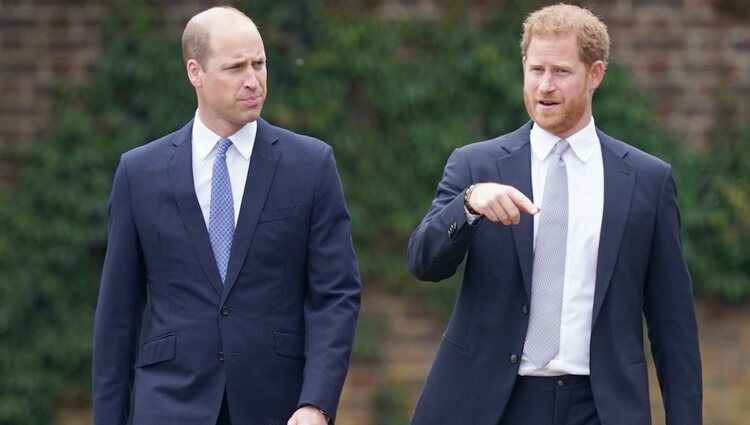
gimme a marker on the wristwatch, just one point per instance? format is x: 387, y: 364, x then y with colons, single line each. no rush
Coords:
x: 467, y: 204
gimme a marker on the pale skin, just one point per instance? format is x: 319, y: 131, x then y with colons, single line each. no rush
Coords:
x: 231, y: 88
x: 307, y: 415
x: 558, y: 92
x: 231, y: 83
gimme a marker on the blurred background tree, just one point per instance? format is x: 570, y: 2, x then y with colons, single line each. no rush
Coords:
x: 392, y: 97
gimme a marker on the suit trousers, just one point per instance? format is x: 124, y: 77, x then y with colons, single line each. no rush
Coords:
x: 554, y: 400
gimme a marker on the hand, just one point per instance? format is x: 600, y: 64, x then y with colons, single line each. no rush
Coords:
x: 308, y: 415
x: 501, y: 203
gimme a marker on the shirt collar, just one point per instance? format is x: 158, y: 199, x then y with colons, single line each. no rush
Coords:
x: 204, y: 140
x: 581, y: 143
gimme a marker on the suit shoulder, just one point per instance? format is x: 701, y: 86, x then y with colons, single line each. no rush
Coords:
x: 159, y: 146
x: 499, y: 145
x: 634, y: 155
x: 298, y: 142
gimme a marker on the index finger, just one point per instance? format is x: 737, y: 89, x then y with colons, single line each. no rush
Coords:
x: 522, y: 201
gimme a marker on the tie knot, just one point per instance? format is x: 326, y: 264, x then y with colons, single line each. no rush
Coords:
x: 560, y: 147
x: 223, y: 145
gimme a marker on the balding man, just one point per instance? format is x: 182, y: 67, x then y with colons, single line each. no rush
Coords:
x: 233, y: 237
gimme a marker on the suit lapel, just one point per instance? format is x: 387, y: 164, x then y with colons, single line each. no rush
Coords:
x: 619, y: 179
x: 515, y: 170
x: 262, y: 168
x: 180, y: 170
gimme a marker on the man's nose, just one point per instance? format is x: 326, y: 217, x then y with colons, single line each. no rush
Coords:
x: 546, y: 83
x: 251, y: 80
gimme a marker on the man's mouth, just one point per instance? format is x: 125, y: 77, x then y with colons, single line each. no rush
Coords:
x: 252, y: 101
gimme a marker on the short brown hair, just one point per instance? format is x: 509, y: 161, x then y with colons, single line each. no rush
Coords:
x: 591, y: 32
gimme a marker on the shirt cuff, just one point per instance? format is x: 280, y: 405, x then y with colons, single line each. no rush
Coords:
x: 471, y: 218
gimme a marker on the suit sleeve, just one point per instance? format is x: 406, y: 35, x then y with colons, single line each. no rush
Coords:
x: 670, y: 315
x: 439, y: 244
x: 118, y: 311
x: 333, y: 294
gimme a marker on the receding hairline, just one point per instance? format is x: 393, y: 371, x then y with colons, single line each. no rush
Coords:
x: 196, y: 38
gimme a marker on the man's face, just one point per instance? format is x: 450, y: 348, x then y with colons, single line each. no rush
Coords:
x: 558, y: 86
x: 231, y: 86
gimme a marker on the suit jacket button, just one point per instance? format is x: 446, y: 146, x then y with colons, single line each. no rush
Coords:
x: 514, y: 358
x: 225, y: 311
x: 525, y: 309
x: 220, y: 356
x: 452, y: 230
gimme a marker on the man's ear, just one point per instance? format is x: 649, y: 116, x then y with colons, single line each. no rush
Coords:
x: 194, y: 72
x: 596, y: 74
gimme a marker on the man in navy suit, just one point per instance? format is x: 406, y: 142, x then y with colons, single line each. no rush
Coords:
x: 230, y: 288
x: 547, y: 328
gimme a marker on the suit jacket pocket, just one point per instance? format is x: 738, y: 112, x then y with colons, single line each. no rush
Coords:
x: 289, y: 343
x: 279, y: 213
x: 459, y: 347
x: 157, y: 350
x: 636, y: 361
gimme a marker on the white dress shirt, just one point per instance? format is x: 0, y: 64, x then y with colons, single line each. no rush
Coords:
x: 586, y: 204
x: 238, y: 161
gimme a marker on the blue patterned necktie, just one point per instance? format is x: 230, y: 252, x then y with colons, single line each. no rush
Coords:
x: 221, y: 213
x: 548, y: 272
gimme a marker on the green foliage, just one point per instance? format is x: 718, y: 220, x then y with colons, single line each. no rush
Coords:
x: 733, y: 9
x: 370, y: 326
x: 52, y: 249
x: 390, y: 405
x: 393, y: 98
x: 716, y: 208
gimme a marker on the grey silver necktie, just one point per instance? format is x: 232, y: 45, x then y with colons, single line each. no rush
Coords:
x: 548, y: 273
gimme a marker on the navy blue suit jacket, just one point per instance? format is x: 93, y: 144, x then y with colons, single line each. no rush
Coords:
x: 279, y: 333
x: 640, y: 272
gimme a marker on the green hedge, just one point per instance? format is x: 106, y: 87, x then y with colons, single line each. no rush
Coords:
x: 392, y: 97
x: 715, y: 201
